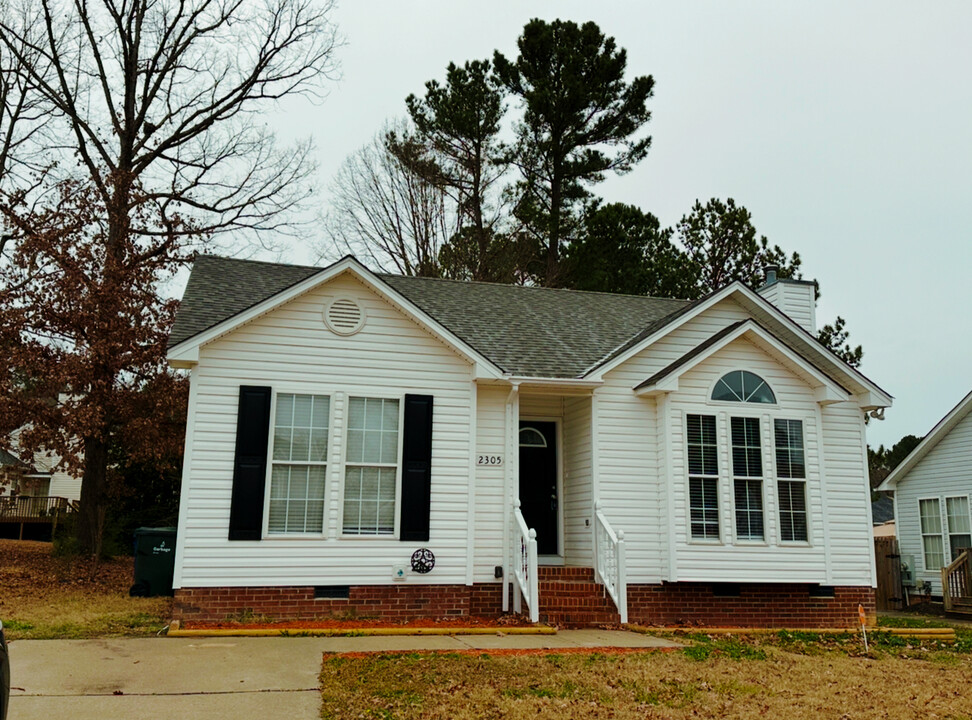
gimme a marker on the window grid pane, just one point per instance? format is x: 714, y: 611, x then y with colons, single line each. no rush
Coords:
x: 749, y: 509
x: 703, y: 453
x: 790, y: 460
x: 930, y: 513
x: 793, y: 510
x: 743, y: 386
x: 298, y: 464
x: 704, y: 507
x: 959, y: 530
x: 372, y: 473
x: 746, y: 454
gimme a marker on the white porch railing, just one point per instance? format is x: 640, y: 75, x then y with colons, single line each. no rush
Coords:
x: 524, y: 564
x: 609, y: 561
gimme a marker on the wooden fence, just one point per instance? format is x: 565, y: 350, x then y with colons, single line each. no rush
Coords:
x: 888, y: 564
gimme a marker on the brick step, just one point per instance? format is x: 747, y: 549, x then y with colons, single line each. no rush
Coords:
x: 554, y: 572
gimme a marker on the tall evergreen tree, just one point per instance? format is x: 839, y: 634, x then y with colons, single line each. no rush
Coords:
x: 581, y: 120
x: 721, y: 243
x: 623, y: 249
x: 460, y: 122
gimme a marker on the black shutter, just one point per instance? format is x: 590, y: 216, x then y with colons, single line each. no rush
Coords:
x: 416, y: 468
x: 250, y: 465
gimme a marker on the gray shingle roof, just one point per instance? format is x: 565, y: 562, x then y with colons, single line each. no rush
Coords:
x: 8, y: 459
x: 530, y: 331
x: 882, y: 510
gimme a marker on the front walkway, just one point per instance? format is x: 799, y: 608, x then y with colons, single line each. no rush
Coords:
x: 228, y: 677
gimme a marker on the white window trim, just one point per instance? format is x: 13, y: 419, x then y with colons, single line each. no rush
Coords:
x: 943, y: 521
x: 763, y: 482
x: 285, y: 390
x: 772, y: 531
x: 947, y: 527
x: 691, y: 539
x: 344, y: 464
x: 805, y: 480
x: 946, y: 534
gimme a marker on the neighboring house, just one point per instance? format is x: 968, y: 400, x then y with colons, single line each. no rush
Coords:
x: 35, y: 477
x: 932, y: 490
x: 882, y: 516
x: 676, y: 461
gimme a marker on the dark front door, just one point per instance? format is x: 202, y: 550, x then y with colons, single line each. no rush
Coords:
x: 538, y: 482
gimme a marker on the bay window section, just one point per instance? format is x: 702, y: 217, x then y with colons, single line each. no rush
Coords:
x: 703, y: 465
x: 933, y: 547
x: 791, y: 473
x: 371, y: 466
x: 747, y: 471
x: 298, y: 464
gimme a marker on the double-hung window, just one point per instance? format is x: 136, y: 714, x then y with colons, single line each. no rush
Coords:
x: 371, y: 466
x: 933, y: 546
x: 791, y: 483
x: 703, y: 462
x: 959, y: 530
x: 747, y: 471
x: 298, y: 464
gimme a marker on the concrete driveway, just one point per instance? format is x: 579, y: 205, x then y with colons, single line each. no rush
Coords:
x: 214, y: 678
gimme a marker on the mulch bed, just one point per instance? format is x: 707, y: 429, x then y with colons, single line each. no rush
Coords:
x: 506, y: 652
x: 354, y: 624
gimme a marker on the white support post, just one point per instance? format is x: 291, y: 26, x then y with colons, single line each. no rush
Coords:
x: 622, y: 580
x: 533, y: 580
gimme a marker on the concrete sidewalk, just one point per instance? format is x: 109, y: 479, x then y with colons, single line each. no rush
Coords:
x: 190, y: 678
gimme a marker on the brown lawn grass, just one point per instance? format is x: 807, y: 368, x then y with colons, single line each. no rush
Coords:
x: 43, y: 597
x: 790, y: 680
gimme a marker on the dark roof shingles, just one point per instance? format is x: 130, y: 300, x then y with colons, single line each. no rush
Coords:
x: 529, y: 331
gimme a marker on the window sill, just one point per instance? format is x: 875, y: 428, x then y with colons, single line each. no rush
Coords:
x: 742, y: 542
x: 705, y: 541
x: 294, y: 536
x: 369, y: 537
x: 795, y: 544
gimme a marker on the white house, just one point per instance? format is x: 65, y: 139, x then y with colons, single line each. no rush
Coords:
x: 402, y: 447
x: 932, y: 490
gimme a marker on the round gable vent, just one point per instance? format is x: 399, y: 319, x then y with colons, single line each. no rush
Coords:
x: 344, y: 316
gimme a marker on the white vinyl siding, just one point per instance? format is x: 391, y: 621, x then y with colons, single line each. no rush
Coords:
x: 945, y: 471
x: 643, y: 438
x: 291, y: 350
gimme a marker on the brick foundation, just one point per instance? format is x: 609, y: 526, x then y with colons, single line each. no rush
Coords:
x: 394, y: 603
x: 755, y: 605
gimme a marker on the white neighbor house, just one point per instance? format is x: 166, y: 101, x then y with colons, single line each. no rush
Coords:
x: 703, y: 461
x: 932, y: 491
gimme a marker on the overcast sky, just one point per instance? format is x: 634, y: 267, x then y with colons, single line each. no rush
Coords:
x: 844, y: 127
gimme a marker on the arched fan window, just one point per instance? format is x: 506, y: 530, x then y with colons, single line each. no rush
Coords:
x: 743, y: 386
x: 531, y: 437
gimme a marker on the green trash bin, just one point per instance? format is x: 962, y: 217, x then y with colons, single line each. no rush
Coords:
x: 154, y: 561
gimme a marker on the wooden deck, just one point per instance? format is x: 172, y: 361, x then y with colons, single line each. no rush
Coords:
x: 35, y: 510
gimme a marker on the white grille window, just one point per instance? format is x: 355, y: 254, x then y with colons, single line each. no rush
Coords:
x: 747, y: 470
x: 703, y: 462
x: 371, y: 466
x: 298, y: 464
x: 930, y: 513
x: 791, y: 485
x: 959, y: 528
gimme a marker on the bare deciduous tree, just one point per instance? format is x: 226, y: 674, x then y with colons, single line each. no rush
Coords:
x: 384, y: 209
x: 153, y: 113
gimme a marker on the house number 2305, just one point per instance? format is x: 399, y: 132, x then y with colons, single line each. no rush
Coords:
x: 489, y: 460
